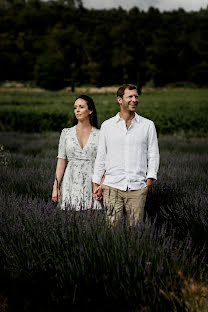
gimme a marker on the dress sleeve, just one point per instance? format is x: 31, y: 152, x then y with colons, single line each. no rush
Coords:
x: 62, y: 145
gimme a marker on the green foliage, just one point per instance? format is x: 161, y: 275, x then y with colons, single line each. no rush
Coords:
x: 58, y: 42
x: 34, y: 119
x: 179, y: 112
x: 49, y: 72
x: 198, y: 73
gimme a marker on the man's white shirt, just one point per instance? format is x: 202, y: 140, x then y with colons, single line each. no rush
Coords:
x: 127, y: 157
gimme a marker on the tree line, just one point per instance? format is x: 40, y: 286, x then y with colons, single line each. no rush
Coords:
x: 61, y: 43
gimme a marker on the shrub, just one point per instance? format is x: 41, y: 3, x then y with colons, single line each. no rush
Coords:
x: 18, y: 118
x: 53, y: 260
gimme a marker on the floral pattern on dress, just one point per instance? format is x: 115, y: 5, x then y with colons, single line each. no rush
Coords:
x: 76, y: 185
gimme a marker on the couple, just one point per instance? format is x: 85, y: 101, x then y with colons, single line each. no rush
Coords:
x: 121, y: 159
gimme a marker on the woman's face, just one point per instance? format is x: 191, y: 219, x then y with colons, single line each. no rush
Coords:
x: 81, y: 110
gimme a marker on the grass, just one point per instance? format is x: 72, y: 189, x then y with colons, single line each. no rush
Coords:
x: 174, y: 111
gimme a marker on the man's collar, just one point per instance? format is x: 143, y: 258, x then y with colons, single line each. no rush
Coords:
x: 118, y: 118
x: 137, y: 117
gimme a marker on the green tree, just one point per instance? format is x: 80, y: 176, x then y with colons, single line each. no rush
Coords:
x: 49, y: 71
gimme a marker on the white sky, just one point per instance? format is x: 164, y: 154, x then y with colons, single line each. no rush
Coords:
x: 162, y: 5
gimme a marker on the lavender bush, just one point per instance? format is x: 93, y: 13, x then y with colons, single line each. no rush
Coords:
x: 180, y: 195
x: 54, y: 260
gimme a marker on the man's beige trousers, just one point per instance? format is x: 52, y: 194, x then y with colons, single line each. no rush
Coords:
x: 124, y: 204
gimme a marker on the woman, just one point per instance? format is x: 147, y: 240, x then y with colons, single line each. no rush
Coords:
x: 76, y: 156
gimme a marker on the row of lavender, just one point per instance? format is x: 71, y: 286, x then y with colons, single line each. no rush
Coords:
x: 52, y: 260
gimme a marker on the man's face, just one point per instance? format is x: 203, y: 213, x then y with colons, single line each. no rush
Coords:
x: 129, y: 101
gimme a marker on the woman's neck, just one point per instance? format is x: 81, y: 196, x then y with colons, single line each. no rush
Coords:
x: 84, y: 124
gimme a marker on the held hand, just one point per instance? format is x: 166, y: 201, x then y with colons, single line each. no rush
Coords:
x: 97, y: 191
x: 55, y: 195
x: 149, y: 183
x: 100, y: 193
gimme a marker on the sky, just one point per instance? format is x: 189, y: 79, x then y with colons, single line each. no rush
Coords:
x: 162, y: 5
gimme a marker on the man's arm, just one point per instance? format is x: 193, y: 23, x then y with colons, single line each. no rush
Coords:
x: 99, y: 167
x: 149, y: 183
x: 152, y: 156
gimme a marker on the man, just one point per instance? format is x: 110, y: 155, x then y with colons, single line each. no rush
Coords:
x: 128, y: 155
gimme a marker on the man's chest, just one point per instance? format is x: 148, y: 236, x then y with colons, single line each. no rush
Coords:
x: 121, y: 137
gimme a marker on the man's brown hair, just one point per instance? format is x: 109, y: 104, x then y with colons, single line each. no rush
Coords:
x: 121, y: 89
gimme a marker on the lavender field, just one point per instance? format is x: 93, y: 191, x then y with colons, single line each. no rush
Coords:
x: 52, y: 260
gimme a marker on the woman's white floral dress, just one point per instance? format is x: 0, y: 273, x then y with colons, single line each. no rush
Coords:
x: 76, y: 186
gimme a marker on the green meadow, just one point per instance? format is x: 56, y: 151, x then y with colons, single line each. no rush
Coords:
x: 181, y: 112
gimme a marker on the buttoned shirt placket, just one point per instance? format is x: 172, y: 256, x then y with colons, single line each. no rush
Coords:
x: 127, y: 152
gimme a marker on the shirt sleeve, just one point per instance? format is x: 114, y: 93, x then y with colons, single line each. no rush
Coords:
x: 152, y: 153
x: 62, y: 145
x: 99, y: 167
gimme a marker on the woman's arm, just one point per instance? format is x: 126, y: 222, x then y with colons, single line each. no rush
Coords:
x: 60, y: 168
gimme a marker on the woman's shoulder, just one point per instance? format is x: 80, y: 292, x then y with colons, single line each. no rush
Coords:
x: 66, y: 131
x: 96, y: 130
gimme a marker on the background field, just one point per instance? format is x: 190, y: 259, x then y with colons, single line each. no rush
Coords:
x: 54, y: 261
x: 174, y: 111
